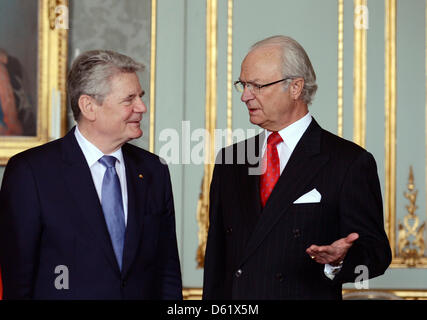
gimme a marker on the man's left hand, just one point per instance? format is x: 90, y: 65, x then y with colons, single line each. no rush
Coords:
x: 333, y: 254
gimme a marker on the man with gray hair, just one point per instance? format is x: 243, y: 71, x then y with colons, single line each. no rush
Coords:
x: 312, y: 216
x: 89, y: 216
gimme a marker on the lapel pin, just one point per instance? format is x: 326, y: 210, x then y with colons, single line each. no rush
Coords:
x: 140, y: 176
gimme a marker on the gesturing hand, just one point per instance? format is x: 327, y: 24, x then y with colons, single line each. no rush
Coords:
x: 334, y: 253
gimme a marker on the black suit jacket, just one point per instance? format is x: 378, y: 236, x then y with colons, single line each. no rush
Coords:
x: 50, y: 215
x: 255, y: 253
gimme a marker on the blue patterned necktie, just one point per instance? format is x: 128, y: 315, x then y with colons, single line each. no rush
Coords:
x: 112, y: 206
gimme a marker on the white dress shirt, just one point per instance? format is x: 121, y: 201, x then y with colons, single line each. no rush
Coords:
x: 92, y: 155
x: 291, y: 136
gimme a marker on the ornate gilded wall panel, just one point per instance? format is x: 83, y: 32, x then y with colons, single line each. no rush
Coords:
x: 404, y: 224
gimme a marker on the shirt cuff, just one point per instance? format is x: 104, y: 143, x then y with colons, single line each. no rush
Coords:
x: 331, y: 271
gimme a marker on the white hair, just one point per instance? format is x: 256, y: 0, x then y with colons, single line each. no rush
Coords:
x: 295, y: 63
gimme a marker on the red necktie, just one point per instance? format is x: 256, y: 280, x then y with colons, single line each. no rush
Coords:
x: 272, y: 173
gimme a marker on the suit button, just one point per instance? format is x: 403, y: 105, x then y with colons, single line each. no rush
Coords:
x: 280, y: 277
x: 297, y: 233
x: 229, y: 230
x: 238, y: 273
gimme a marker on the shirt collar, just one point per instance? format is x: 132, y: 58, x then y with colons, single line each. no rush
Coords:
x: 292, y: 133
x: 91, y: 152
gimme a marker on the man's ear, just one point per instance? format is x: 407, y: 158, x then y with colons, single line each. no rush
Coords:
x: 296, y: 87
x: 87, y: 106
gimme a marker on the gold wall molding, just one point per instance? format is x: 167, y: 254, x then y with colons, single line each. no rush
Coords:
x: 425, y: 19
x: 229, y: 71
x: 210, y: 125
x: 60, y: 41
x: 153, y: 74
x: 390, y: 125
x: 359, y: 77
x: 340, y: 65
x: 196, y: 293
x: 192, y: 293
x: 406, y: 294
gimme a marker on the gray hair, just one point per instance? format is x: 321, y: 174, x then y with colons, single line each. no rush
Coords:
x: 91, y: 73
x: 3, y: 54
x: 295, y: 63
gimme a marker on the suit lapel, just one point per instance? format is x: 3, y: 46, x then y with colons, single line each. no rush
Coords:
x: 78, y: 179
x: 249, y: 183
x: 303, y: 165
x: 138, y: 178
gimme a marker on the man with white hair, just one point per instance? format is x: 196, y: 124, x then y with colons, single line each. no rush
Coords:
x: 89, y: 216
x: 300, y: 227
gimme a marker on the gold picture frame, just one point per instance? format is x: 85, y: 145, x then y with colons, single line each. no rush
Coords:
x: 52, y: 37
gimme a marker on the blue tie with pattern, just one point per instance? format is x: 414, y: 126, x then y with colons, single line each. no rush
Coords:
x: 112, y: 206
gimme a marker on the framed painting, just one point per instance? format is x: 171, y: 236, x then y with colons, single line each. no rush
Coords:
x: 33, y: 62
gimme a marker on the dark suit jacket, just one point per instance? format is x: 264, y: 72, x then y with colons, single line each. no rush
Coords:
x: 51, y: 216
x: 255, y: 253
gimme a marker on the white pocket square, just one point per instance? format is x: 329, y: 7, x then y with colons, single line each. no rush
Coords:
x: 310, y: 197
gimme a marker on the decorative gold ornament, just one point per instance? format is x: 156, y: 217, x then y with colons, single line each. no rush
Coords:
x: 411, y: 244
